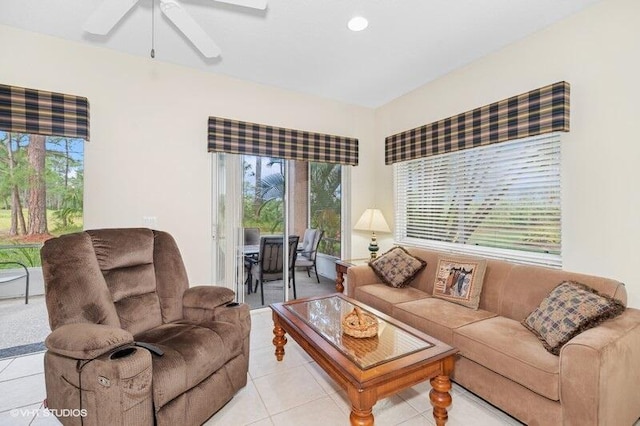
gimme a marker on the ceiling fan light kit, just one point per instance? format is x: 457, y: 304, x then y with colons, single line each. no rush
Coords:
x: 110, y: 12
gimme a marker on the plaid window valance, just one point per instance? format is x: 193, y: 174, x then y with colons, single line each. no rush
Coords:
x: 240, y: 137
x: 543, y: 110
x: 44, y: 113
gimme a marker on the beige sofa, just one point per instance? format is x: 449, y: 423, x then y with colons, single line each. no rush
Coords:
x: 594, y: 381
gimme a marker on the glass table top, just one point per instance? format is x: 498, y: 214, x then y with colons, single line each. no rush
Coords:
x: 325, y: 317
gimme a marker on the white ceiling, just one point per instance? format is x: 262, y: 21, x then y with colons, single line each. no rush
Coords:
x: 305, y: 46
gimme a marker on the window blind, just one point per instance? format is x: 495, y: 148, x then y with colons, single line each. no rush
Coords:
x: 501, y: 200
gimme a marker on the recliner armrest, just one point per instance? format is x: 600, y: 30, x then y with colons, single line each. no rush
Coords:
x: 85, y: 340
x: 207, y: 297
x: 202, y: 304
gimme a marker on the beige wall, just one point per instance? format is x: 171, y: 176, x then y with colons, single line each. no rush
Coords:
x: 598, y: 53
x: 147, y: 155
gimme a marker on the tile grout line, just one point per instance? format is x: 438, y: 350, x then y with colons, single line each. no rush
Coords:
x: 22, y: 377
x: 8, y: 364
x: 303, y: 366
x: 21, y: 406
x: 253, y: 382
x: 262, y: 401
x: 36, y: 416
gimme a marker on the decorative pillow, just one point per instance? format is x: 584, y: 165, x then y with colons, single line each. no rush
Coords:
x: 459, y: 280
x: 397, y: 267
x: 567, y: 311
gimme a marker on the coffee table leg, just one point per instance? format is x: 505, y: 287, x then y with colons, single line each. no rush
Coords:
x: 440, y: 398
x: 361, y: 418
x: 339, y: 281
x: 361, y: 407
x: 279, y: 341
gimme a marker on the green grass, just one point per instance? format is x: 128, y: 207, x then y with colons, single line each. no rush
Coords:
x: 30, y: 256
x: 5, y: 219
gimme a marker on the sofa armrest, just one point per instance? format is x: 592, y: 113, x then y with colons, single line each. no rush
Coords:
x: 358, y: 276
x: 85, y: 340
x: 600, y: 372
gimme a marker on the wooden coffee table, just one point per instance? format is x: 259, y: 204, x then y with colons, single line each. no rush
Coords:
x: 367, y: 369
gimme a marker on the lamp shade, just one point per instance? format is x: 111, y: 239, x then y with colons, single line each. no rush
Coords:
x: 372, y: 220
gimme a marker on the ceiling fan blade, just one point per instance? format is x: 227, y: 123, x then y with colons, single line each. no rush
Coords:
x: 190, y: 28
x: 107, y: 15
x: 254, y: 4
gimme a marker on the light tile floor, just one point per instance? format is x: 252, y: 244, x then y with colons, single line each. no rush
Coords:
x: 296, y: 391
x: 292, y: 392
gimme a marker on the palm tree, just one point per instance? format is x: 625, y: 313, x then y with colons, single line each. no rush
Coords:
x: 272, y: 189
x: 325, y: 192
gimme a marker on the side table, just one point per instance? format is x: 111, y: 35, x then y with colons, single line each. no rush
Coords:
x: 341, y: 268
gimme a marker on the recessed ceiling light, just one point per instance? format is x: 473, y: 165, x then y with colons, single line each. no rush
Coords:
x: 358, y: 23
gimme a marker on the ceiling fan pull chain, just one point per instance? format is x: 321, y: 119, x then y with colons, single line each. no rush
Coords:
x: 153, y: 28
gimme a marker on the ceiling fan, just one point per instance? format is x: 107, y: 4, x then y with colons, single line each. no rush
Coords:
x: 110, y: 12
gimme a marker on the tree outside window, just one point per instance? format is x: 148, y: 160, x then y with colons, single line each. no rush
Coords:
x: 41, y: 191
x: 263, y: 192
x: 325, y: 201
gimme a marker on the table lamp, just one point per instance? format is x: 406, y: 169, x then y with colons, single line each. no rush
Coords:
x: 372, y: 220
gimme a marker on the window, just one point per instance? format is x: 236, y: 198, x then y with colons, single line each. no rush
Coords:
x: 41, y: 192
x: 315, y: 194
x: 263, y: 188
x: 42, y: 138
x: 325, y: 198
x: 501, y: 200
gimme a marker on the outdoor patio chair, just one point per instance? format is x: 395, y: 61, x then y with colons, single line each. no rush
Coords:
x: 251, y: 236
x: 9, y: 277
x: 307, y: 239
x: 270, y: 265
x: 132, y: 343
x: 308, y: 252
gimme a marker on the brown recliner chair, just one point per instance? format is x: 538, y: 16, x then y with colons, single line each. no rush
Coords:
x: 108, y: 289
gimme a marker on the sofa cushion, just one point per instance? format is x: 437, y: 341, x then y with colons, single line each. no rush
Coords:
x: 437, y: 317
x: 491, y: 343
x: 567, y: 311
x: 397, y: 267
x: 459, y: 280
x: 191, y: 354
x: 383, y: 297
x: 526, y: 286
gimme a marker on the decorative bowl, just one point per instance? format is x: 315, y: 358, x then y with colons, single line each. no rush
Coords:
x: 359, y: 324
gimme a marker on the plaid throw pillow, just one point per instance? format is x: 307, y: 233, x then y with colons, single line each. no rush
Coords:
x: 567, y: 311
x: 397, y: 267
x: 459, y: 280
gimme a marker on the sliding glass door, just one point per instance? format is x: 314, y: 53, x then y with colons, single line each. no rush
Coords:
x: 272, y: 199
x: 226, y: 215
x: 277, y: 197
x: 251, y: 204
x: 265, y: 216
